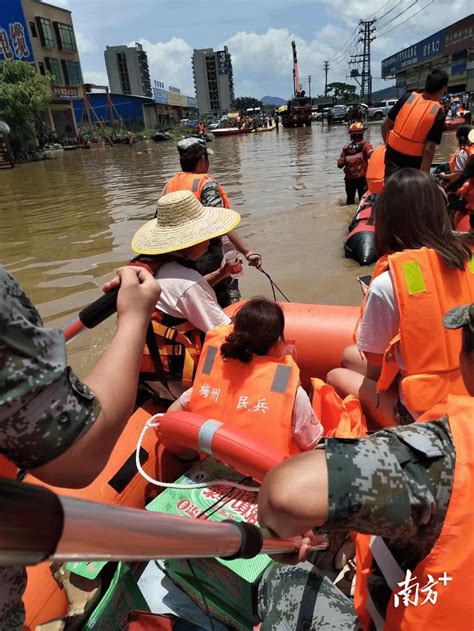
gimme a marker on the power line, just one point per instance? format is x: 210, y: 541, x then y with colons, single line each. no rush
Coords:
x: 390, y: 10
x: 397, y: 16
x: 408, y: 18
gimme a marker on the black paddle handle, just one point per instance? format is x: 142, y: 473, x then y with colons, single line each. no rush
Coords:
x: 98, y: 311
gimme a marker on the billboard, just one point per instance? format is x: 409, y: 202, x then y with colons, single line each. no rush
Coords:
x: 160, y: 95
x: 459, y: 36
x: 15, y: 41
x: 454, y: 38
x: 224, y: 64
x: 191, y: 101
x: 418, y: 53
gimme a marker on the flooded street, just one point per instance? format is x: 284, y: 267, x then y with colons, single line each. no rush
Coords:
x: 66, y: 224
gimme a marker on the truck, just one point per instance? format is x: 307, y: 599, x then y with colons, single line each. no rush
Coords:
x: 379, y: 110
x: 298, y: 112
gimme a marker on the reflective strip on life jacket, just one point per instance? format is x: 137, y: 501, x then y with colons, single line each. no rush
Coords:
x: 426, y: 288
x: 412, y: 125
x: 193, y: 182
x: 256, y: 397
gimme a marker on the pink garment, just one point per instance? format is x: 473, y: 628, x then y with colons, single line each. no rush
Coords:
x: 307, y: 429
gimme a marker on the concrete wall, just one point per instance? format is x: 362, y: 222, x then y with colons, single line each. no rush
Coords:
x: 34, y: 9
x: 136, y: 71
x: 204, y: 76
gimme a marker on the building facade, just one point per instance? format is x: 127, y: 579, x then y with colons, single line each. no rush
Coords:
x: 213, y: 80
x: 171, y: 106
x: 43, y: 35
x: 451, y: 49
x: 127, y: 70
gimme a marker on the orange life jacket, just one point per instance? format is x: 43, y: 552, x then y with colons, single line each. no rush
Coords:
x: 257, y: 397
x: 425, y: 289
x: 412, y: 125
x: 452, y: 555
x: 376, y: 170
x: 193, y: 182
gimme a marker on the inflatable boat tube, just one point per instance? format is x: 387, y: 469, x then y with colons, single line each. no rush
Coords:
x: 181, y: 431
x: 360, y: 242
x: 453, y: 122
x: 320, y: 333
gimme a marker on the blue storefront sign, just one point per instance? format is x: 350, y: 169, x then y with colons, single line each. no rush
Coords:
x: 14, y: 38
x: 191, y: 101
x: 422, y: 51
x: 160, y: 95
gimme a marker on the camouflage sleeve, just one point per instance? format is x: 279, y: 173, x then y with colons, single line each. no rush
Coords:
x: 44, y: 408
x: 392, y: 483
x: 210, y: 195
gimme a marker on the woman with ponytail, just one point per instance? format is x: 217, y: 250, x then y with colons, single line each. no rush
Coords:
x: 405, y: 360
x: 247, y: 378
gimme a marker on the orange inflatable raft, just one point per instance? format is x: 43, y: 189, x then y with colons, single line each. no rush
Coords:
x: 320, y: 333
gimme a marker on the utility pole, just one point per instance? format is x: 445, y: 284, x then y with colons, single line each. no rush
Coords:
x: 309, y: 85
x: 366, y: 37
x: 326, y: 68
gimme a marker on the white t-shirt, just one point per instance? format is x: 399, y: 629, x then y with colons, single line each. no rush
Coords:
x: 187, y: 294
x: 381, y: 322
x: 306, y: 427
x: 461, y: 160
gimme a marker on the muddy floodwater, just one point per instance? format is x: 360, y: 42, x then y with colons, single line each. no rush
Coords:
x: 66, y: 224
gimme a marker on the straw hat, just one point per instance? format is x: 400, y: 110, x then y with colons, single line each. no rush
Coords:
x: 180, y: 222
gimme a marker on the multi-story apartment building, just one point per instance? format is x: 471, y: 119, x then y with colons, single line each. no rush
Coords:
x: 43, y: 35
x: 127, y: 70
x: 213, y: 80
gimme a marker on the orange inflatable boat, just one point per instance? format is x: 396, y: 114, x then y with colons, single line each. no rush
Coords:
x: 320, y: 332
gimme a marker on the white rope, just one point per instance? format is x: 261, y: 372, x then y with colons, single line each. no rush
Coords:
x: 172, y: 485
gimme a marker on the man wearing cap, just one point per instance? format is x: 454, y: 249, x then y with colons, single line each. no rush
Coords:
x: 194, y: 176
x: 410, y: 489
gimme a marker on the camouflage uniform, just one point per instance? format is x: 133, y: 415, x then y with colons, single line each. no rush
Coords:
x: 227, y: 291
x: 44, y: 408
x: 396, y: 484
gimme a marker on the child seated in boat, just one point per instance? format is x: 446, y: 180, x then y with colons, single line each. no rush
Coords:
x: 248, y: 379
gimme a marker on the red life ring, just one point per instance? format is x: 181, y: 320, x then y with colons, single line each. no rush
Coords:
x: 183, y: 431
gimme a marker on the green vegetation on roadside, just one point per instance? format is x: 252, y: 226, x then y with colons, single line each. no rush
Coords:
x: 23, y: 95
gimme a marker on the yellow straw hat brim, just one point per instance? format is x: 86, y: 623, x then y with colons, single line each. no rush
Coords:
x: 181, y: 222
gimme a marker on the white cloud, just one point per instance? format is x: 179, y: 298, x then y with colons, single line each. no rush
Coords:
x: 170, y: 62
x: 59, y: 3
x: 97, y: 77
x: 85, y: 45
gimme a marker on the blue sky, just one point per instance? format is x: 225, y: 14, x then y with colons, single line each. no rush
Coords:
x: 257, y: 32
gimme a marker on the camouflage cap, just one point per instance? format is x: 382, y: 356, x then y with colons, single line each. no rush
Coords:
x: 459, y: 317
x: 193, y: 148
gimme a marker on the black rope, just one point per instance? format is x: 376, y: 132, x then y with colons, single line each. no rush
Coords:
x: 273, y: 285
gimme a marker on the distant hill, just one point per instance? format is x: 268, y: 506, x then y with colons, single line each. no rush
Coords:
x: 273, y: 100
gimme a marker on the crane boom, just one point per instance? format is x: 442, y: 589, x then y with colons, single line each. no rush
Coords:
x: 296, y: 72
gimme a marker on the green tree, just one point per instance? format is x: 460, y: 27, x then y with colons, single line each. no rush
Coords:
x: 244, y: 102
x: 23, y: 95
